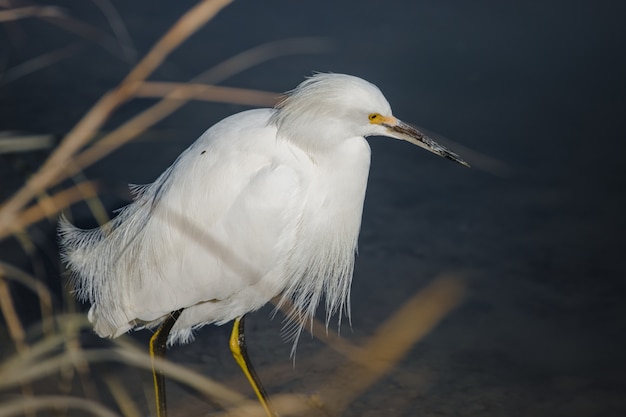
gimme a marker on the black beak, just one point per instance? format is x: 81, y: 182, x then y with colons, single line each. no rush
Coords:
x: 403, y: 131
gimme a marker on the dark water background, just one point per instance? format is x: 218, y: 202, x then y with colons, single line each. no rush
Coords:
x: 538, y: 85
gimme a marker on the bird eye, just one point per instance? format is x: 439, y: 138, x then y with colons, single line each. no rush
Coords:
x: 374, y: 117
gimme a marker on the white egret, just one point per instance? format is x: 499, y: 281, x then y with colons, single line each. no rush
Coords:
x: 265, y: 203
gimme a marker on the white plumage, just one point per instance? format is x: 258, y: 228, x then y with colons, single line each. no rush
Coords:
x: 266, y: 202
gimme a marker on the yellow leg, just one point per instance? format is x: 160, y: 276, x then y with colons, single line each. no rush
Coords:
x: 158, y: 346
x: 240, y: 353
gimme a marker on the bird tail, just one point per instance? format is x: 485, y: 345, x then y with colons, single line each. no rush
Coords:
x: 76, y: 247
x: 90, y: 270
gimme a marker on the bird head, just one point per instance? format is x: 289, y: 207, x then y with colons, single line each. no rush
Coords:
x: 326, y: 108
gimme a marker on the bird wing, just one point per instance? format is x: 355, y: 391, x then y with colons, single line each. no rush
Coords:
x: 220, y: 221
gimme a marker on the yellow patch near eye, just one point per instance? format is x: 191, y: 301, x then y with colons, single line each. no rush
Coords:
x: 375, y: 118
x: 378, y: 119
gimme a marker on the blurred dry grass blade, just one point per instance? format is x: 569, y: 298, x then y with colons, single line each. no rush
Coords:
x: 96, y: 207
x: 218, y: 393
x: 42, y: 347
x: 50, y: 172
x: 29, y: 12
x: 17, y: 371
x: 42, y: 61
x: 14, y: 142
x: 409, y: 324
x: 188, y: 24
x: 119, y: 393
x: 50, y: 206
x: 20, y: 406
x: 16, y: 330
x: 214, y: 93
x: 14, y: 325
x: 284, y: 404
x: 119, y: 29
x: 262, y: 53
x: 40, y: 272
